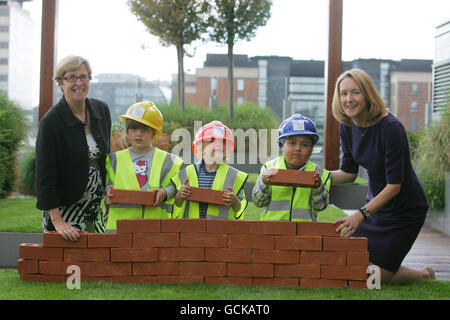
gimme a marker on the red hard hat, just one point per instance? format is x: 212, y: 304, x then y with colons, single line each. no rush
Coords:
x: 212, y: 131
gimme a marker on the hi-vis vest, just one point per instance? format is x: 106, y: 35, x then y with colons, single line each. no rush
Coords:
x: 120, y: 171
x: 226, y: 176
x: 290, y: 203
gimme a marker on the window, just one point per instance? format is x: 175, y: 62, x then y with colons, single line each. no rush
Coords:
x: 414, y: 107
x: 240, y: 84
x: 413, y: 125
x: 239, y: 100
x: 414, y: 89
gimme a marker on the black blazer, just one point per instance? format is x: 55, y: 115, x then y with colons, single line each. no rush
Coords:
x: 62, y: 161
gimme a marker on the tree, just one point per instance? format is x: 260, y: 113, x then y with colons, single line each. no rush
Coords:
x: 175, y: 22
x: 233, y: 20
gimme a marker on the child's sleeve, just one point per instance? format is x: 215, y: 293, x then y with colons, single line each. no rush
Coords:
x: 261, y: 192
x: 319, y: 198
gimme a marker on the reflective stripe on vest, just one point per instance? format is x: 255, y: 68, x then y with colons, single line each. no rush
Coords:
x: 287, y: 205
x: 226, y: 176
x: 121, y: 172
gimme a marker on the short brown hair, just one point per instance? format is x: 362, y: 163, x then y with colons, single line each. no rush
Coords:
x: 375, y: 103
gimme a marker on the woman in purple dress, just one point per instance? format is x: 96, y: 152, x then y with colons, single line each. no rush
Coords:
x: 396, y: 206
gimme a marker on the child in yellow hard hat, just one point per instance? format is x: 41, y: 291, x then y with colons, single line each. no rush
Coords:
x: 142, y: 166
x: 212, y: 144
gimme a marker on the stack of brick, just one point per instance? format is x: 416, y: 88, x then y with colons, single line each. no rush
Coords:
x: 204, y: 251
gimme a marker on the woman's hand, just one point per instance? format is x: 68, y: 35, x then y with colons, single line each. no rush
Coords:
x: 63, y: 228
x: 351, y: 223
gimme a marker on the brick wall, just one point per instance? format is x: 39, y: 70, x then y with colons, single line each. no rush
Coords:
x: 197, y: 251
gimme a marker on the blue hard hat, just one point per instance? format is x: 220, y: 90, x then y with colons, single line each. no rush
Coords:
x: 297, y: 125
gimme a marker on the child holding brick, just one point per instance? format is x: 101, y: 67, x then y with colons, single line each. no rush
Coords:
x: 297, y: 136
x: 142, y: 166
x: 212, y: 144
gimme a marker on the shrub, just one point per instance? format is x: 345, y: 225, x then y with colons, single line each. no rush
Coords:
x: 432, y: 159
x: 13, y: 129
x: 27, y: 171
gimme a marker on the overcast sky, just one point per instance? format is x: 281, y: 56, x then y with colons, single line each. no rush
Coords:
x: 111, y: 38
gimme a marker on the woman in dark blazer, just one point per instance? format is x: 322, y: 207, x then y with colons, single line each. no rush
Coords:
x: 71, y: 148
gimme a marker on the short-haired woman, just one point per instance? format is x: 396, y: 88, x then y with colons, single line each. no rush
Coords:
x: 71, y: 148
x: 395, y: 207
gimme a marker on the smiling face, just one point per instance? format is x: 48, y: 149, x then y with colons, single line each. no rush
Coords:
x: 297, y: 150
x: 353, y: 101
x: 77, y: 91
x: 213, y: 152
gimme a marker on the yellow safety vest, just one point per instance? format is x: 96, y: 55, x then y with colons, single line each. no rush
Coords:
x: 164, y: 166
x: 226, y: 176
x: 291, y: 203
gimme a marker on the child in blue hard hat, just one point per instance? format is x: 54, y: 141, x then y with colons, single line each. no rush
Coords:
x: 297, y: 136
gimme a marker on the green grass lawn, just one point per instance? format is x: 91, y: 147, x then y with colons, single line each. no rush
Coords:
x: 14, y: 288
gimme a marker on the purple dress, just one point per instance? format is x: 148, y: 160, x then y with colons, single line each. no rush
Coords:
x: 383, y: 150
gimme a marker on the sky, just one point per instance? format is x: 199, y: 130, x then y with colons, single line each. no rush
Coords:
x: 107, y: 34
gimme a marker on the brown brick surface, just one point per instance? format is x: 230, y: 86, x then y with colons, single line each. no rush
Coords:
x: 87, y: 254
x: 344, y: 244
x: 275, y: 256
x: 297, y: 270
x: 323, y: 257
x: 134, y: 254
x: 103, y: 240
x: 32, y: 251
x: 59, y: 267
x: 54, y: 240
x: 183, y: 225
x: 228, y: 226
x: 27, y: 266
x: 317, y: 229
x: 358, y: 258
x: 138, y: 225
x: 228, y: 255
x: 41, y: 278
x: 181, y: 254
x: 273, y: 227
x: 156, y: 268
x: 203, y: 240
x: 250, y: 270
x: 107, y: 269
x: 157, y: 240
x: 206, y: 195
x: 286, y: 177
x: 344, y: 272
x: 203, y: 269
x: 298, y: 242
x: 133, y: 197
x: 251, y: 241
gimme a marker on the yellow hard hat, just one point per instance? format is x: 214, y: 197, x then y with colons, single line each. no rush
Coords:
x: 146, y: 113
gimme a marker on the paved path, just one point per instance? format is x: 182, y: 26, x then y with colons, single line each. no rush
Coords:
x: 431, y: 248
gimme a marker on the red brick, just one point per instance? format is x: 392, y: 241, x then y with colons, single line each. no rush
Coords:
x: 298, y: 242
x: 239, y: 281
x: 133, y: 197
x: 156, y: 268
x: 272, y: 227
x: 203, y: 269
x: 297, y: 270
x: 357, y: 284
x: 206, y: 195
x: 158, y: 279
x: 277, y: 282
x: 138, y: 225
x: 58, y: 267
x: 157, y: 240
x: 323, y: 257
x: 287, y: 177
x: 103, y: 240
x: 344, y: 244
x: 32, y: 251
x: 251, y: 241
x: 107, y: 269
x: 87, y: 254
x: 125, y: 240
x: 327, y: 283
x: 317, y: 229
x: 41, y: 278
x: 358, y: 258
x: 344, y: 272
x: 183, y: 225
x: 27, y: 266
x: 203, y: 240
x: 54, y: 240
x: 228, y: 226
x: 275, y: 256
x: 134, y: 254
x: 181, y: 254
x: 228, y: 255
x: 250, y: 270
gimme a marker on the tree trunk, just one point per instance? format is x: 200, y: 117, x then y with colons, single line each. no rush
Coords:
x: 180, y: 55
x: 231, y: 79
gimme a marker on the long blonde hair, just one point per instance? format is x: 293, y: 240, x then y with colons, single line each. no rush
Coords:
x: 375, y: 103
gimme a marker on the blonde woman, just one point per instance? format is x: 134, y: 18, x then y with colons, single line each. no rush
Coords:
x: 395, y: 207
x: 71, y: 148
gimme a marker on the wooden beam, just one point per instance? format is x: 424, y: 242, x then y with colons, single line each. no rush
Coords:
x: 333, y: 69
x: 48, y: 53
